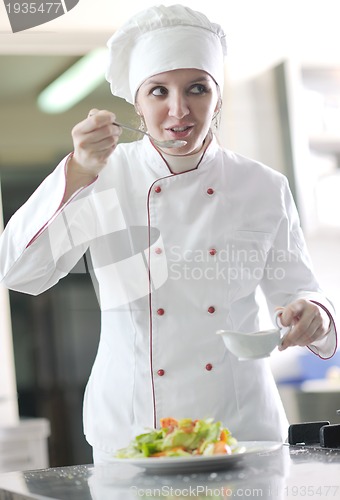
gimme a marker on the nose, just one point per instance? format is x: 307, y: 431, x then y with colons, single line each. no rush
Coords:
x: 178, y: 105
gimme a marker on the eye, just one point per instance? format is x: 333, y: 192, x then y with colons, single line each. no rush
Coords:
x: 159, y: 91
x: 198, y: 88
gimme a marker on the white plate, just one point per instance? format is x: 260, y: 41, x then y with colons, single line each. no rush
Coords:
x: 200, y: 463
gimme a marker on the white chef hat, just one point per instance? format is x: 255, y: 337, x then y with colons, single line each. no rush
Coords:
x: 161, y: 39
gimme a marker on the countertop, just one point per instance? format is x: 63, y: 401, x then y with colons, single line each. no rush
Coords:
x: 289, y: 472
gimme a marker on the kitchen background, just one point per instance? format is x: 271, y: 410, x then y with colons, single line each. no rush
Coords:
x: 281, y: 106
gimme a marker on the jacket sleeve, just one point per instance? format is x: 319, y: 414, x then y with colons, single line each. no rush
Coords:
x: 289, y: 275
x: 44, y: 239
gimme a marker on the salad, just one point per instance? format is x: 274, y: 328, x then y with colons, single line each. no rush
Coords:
x: 181, y: 438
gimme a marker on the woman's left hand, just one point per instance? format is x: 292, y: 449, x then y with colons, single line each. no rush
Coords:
x: 309, y: 323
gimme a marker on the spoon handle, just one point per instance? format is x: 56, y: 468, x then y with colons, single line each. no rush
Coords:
x: 171, y: 143
x: 130, y: 128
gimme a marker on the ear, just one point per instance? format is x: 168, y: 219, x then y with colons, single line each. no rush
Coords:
x: 218, y: 105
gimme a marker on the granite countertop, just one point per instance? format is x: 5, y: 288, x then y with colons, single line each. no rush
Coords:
x: 288, y: 472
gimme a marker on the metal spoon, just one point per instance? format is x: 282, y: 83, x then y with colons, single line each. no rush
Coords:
x: 172, y: 143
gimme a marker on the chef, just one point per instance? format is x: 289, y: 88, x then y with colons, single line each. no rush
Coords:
x: 177, y: 240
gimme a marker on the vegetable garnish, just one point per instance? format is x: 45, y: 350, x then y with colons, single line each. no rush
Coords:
x: 181, y: 438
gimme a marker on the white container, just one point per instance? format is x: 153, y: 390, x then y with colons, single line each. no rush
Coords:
x: 24, y: 446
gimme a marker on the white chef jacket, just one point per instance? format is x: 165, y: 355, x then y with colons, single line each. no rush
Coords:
x: 174, y: 258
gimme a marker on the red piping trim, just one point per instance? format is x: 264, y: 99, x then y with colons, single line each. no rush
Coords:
x: 150, y: 312
x: 336, y: 333
x: 61, y: 205
x: 149, y: 276
x: 184, y: 171
x: 150, y: 302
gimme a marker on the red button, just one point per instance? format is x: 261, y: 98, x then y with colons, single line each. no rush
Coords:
x: 213, y: 251
x: 210, y: 191
x: 211, y: 309
x: 161, y: 373
x: 209, y: 367
x: 158, y: 250
x: 158, y: 189
x: 160, y: 312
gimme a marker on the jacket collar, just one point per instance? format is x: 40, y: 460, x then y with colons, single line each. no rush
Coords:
x: 157, y: 163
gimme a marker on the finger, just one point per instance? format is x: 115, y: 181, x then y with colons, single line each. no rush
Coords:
x: 85, y: 138
x: 102, y: 145
x: 92, y: 112
x: 298, y: 337
x: 301, y: 332
x: 98, y: 153
x: 101, y: 134
x: 291, y: 314
x: 310, y: 327
x: 315, y: 331
x: 97, y: 119
x: 92, y: 149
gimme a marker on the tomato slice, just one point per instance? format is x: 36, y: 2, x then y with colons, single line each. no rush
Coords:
x: 221, y: 448
x: 169, y: 423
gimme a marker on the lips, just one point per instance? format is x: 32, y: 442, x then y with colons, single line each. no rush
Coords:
x: 180, y: 131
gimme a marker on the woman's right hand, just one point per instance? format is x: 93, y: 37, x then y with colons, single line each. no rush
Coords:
x: 94, y: 139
